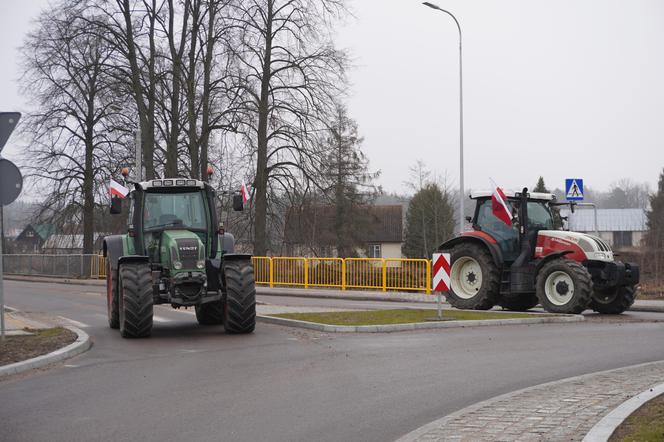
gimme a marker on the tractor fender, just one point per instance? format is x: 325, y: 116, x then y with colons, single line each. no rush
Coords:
x: 550, y: 257
x: 114, y: 249
x: 470, y: 237
x: 228, y: 243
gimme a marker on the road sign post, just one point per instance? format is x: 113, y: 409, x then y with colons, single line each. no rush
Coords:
x: 11, y: 184
x: 441, y: 278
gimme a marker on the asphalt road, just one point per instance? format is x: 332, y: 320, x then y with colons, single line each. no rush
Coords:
x: 286, y: 384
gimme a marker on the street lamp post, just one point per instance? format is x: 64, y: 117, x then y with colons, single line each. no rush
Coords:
x: 462, y: 191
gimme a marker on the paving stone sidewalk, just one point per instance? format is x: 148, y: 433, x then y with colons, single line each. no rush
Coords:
x: 557, y: 411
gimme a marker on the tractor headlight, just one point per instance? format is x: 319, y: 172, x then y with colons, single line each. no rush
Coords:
x: 200, y: 264
x: 177, y: 265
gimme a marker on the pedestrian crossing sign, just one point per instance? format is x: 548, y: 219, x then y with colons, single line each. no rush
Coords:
x: 574, y: 189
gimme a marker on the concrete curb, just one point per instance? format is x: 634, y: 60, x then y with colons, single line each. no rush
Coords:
x: 603, y: 429
x: 80, y: 345
x: 415, y: 434
x: 416, y: 325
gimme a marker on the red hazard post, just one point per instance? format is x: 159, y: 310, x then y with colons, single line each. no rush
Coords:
x: 441, y: 277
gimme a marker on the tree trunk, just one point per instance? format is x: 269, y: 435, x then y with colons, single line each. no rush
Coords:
x: 262, y: 171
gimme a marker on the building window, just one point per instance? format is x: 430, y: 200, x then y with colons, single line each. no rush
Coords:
x: 374, y: 251
x: 30, y: 234
x: 622, y: 239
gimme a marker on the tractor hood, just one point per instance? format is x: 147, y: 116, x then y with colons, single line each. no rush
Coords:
x: 182, y: 250
x: 583, y: 246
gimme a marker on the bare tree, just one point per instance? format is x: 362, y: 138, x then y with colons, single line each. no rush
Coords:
x: 73, y: 144
x: 290, y: 76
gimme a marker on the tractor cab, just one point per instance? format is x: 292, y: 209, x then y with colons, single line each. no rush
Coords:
x: 540, y: 217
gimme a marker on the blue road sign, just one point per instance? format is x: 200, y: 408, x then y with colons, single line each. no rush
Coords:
x: 574, y: 189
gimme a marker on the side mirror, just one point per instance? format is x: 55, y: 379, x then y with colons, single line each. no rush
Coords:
x: 469, y: 219
x: 238, y: 203
x: 116, y: 206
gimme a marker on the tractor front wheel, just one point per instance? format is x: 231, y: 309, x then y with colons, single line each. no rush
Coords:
x: 613, y: 301
x: 211, y: 313
x: 136, y: 302
x: 474, y: 278
x: 112, y: 305
x: 564, y: 286
x: 240, y: 308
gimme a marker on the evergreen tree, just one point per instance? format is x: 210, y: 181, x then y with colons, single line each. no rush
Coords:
x: 655, y: 235
x: 350, y: 183
x: 429, y: 221
x: 540, y: 187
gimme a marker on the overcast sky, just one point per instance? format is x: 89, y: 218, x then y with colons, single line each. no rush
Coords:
x: 565, y: 88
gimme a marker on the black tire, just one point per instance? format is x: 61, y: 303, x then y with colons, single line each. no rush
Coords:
x: 571, y: 294
x: 613, y: 301
x: 520, y: 303
x: 112, y: 306
x: 136, y: 302
x: 487, y: 293
x: 211, y: 313
x: 240, y: 308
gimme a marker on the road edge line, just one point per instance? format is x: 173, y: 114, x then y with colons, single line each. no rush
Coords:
x: 603, y: 429
x: 80, y: 345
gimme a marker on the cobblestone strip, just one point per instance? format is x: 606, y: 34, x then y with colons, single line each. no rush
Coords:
x: 556, y: 411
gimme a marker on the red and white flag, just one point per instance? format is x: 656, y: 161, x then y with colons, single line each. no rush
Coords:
x: 245, y: 193
x: 117, y: 189
x: 499, y: 206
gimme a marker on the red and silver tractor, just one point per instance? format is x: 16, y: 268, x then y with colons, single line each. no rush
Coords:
x: 530, y: 263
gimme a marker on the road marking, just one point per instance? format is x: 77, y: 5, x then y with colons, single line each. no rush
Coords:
x: 71, y: 366
x: 74, y: 323
x: 160, y: 319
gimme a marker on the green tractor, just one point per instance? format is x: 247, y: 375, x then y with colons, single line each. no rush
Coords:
x: 174, y: 253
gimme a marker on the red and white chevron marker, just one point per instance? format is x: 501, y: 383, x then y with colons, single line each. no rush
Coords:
x: 441, y: 272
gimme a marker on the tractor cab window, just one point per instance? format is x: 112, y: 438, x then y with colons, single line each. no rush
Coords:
x: 506, y: 236
x: 185, y: 210
x: 539, y: 216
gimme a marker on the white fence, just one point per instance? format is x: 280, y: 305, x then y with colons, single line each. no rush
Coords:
x: 63, y: 266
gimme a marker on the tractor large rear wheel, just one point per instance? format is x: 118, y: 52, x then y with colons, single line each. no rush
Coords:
x: 474, y: 279
x: 613, y: 301
x: 240, y: 308
x: 564, y: 286
x: 136, y: 302
x: 519, y: 303
x: 211, y: 313
x: 112, y: 303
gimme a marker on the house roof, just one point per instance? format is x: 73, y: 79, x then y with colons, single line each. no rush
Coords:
x: 43, y: 231
x: 315, y: 224
x: 68, y: 241
x: 608, y: 220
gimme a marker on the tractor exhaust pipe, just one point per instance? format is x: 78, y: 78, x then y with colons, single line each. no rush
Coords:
x: 521, y: 274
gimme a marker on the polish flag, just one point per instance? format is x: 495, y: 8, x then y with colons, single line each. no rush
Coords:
x: 499, y: 206
x: 245, y: 193
x: 117, y: 189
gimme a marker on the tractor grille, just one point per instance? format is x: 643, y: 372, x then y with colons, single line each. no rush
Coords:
x: 188, y: 252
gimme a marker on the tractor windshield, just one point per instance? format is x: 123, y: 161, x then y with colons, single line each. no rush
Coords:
x: 183, y: 209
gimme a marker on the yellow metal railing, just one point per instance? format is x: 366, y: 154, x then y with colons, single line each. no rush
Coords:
x: 350, y: 273
x: 345, y: 273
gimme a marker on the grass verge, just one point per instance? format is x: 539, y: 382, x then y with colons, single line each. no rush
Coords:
x: 400, y: 316
x: 644, y: 425
x: 19, y: 348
